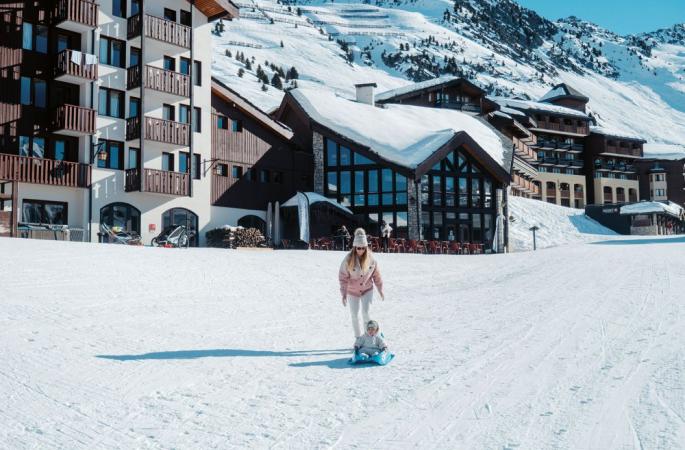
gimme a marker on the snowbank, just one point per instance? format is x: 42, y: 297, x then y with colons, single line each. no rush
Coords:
x: 558, y: 225
x: 653, y: 207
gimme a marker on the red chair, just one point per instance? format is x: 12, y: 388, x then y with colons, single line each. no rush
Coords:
x: 375, y: 244
x: 473, y: 249
x: 445, y: 247
x: 455, y: 248
x: 325, y: 244
x: 285, y: 243
x: 411, y: 246
x: 434, y: 247
x: 393, y: 246
x: 422, y: 247
x: 313, y: 244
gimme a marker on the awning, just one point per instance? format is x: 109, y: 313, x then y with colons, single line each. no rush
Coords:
x: 313, y: 197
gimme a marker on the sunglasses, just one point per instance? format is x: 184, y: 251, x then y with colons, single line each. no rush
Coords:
x: 360, y: 248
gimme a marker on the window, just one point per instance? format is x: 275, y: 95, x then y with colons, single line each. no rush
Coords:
x: 185, y: 18
x: 168, y: 162
x: 135, y: 7
x: 133, y: 57
x: 263, y: 176
x: 170, y: 14
x: 331, y: 153
x: 41, y: 39
x: 237, y: 125
x: 197, y: 166
x: 184, y: 162
x: 222, y: 170
x: 184, y: 113
x: 119, y: 8
x: 27, y: 36
x: 133, y: 107
x: 197, y: 73
x: 34, y: 37
x: 59, y: 150
x: 278, y: 177
x: 33, y: 92
x: 133, y: 158
x: 121, y: 216
x: 40, y: 211
x: 33, y: 147
x: 111, y: 103
x: 168, y: 112
x: 237, y: 172
x: 361, y: 160
x: 115, y: 155
x: 62, y: 42
x: 112, y: 51
x: 185, y: 66
x: 332, y: 183
x: 197, y: 119
x: 169, y: 63
x: 345, y: 156
x: 222, y: 122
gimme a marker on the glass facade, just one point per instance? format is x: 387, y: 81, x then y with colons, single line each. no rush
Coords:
x: 372, y: 191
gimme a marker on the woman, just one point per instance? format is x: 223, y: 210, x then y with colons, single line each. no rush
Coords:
x: 357, y: 275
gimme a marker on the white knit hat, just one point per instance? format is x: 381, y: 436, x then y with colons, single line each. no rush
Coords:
x: 360, y: 238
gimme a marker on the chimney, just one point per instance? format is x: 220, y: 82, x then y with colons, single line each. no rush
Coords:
x: 365, y: 93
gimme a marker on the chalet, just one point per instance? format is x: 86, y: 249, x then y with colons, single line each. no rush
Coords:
x: 253, y: 161
x: 435, y: 174
x: 662, y: 173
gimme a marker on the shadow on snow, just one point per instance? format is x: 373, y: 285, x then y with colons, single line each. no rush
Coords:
x: 673, y: 240
x: 222, y: 353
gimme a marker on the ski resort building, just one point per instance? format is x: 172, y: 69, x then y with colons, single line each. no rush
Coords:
x: 430, y: 173
x: 106, y: 109
x: 662, y: 177
x: 253, y: 161
x: 560, y: 125
x: 611, y: 172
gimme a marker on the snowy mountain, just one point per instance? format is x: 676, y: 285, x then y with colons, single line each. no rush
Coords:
x: 636, y: 83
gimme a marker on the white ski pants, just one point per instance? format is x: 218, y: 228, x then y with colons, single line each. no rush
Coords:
x: 365, y: 300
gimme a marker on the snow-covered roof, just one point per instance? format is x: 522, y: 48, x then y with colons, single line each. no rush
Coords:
x: 563, y: 90
x: 664, y: 151
x: 406, y: 135
x: 528, y: 105
x: 414, y: 87
x: 653, y: 207
x: 315, y: 198
x: 607, y: 131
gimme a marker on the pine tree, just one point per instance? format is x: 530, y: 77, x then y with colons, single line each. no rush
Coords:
x: 241, y: 72
x: 282, y: 44
x: 264, y: 88
x: 293, y: 74
x: 248, y: 65
x: 228, y: 53
x: 276, y: 82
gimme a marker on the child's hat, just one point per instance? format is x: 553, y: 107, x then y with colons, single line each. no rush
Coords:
x: 372, y: 324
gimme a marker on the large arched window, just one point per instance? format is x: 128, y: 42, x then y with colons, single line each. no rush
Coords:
x: 182, y: 216
x: 121, y: 216
x: 252, y: 222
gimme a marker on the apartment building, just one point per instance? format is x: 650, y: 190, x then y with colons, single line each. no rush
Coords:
x: 105, y: 113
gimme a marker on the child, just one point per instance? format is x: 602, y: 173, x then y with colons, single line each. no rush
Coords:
x: 371, y: 343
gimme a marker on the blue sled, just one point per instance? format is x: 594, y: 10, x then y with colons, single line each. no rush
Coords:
x: 380, y: 359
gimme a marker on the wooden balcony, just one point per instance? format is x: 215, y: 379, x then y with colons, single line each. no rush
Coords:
x: 167, y: 81
x: 73, y: 120
x: 623, y: 151
x: 76, y: 15
x: 157, y: 182
x: 134, y: 26
x: 551, y: 192
x: 167, y: 31
x: 167, y: 131
x: 620, y: 198
x: 525, y: 185
x: 578, y: 194
x: 133, y: 128
x: 556, y: 126
x: 133, y: 77
x: 565, y: 193
x: 51, y: 172
x: 75, y: 72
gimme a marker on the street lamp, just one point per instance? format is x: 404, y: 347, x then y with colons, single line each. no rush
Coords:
x: 99, y: 151
x: 534, y: 228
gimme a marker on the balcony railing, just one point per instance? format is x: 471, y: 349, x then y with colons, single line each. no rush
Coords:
x: 525, y: 185
x: 133, y: 128
x: 133, y: 77
x: 74, y: 119
x: 134, y: 26
x: 461, y: 106
x: 620, y: 198
x: 84, y: 12
x: 167, y: 31
x: 52, y: 172
x: 578, y: 194
x: 623, y: 151
x: 559, y: 146
x: 157, y: 181
x: 555, y: 126
x: 167, y: 81
x: 551, y: 192
x: 167, y: 131
x: 72, y: 62
x: 565, y: 193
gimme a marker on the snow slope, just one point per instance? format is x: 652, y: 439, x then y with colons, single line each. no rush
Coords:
x: 557, y: 225
x: 570, y: 348
x: 636, y: 83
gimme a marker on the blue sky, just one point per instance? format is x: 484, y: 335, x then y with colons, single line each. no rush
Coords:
x: 619, y: 16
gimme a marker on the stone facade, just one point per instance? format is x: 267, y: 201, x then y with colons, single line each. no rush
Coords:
x: 317, y: 150
x: 414, y: 209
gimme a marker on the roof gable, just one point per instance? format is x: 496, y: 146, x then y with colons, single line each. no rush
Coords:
x: 563, y: 90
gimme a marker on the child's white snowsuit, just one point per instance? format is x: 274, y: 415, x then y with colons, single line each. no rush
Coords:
x: 370, y: 344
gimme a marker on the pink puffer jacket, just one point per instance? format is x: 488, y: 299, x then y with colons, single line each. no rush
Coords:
x: 357, y: 282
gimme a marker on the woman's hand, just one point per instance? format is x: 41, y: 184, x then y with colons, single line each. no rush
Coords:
x: 344, y: 300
